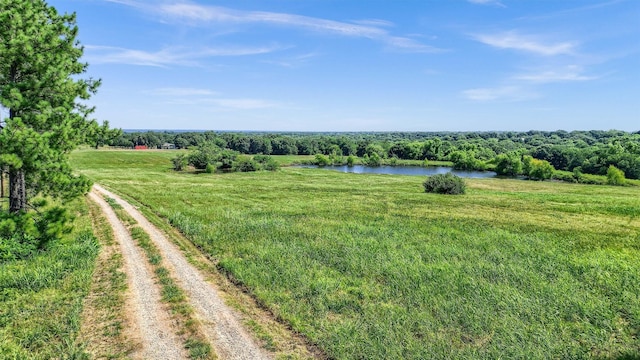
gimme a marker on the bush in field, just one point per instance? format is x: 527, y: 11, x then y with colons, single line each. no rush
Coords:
x: 203, y: 156
x: 261, y: 158
x: 224, y: 159
x: 350, y: 160
x: 179, y: 162
x: 615, y: 176
x: 445, y: 184
x: 322, y: 160
x: 564, y: 176
x: 540, y: 170
x: 267, y: 162
x: 536, y: 169
x: 372, y: 160
x: 271, y: 165
x: 245, y: 164
x: 209, y: 169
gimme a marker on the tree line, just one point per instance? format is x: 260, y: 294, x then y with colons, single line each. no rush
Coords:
x: 589, y: 152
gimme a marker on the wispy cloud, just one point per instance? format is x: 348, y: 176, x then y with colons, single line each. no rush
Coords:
x: 588, y: 7
x: 178, y: 92
x: 487, y: 2
x: 564, y: 74
x: 200, y: 96
x: 509, y: 93
x: 166, y: 57
x: 513, y: 40
x: 199, y: 15
x: 293, y: 61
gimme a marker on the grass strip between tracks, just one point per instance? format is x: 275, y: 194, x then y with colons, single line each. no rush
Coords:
x: 181, y: 311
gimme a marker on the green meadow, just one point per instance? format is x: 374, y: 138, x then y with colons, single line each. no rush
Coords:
x: 371, y: 267
x: 41, y: 298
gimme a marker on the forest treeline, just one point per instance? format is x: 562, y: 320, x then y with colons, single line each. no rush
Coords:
x: 590, y: 152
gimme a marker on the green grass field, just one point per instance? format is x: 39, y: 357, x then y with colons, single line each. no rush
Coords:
x: 41, y: 297
x: 369, y: 266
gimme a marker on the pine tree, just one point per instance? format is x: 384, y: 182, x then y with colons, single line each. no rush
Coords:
x: 39, y: 85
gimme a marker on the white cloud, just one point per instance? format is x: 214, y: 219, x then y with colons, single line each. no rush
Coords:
x: 503, y: 93
x: 177, y: 91
x: 206, y: 14
x: 515, y: 41
x: 165, y: 57
x: 293, y: 61
x: 566, y: 74
x: 487, y: 2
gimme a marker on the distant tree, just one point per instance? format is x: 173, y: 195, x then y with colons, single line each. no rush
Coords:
x: 465, y: 160
x: 376, y: 149
x: 508, y: 164
x: 104, y: 135
x: 432, y: 149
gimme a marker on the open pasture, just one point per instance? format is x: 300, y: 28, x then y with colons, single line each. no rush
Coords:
x: 369, y: 266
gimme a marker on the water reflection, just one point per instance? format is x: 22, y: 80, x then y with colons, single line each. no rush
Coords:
x: 406, y: 170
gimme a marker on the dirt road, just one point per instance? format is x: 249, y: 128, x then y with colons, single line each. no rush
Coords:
x: 152, y: 324
x: 221, y: 324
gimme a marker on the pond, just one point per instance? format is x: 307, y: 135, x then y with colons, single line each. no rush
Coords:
x: 406, y: 170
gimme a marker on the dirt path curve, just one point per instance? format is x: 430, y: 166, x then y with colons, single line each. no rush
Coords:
x: 152, y: 322
x: 221, y: 325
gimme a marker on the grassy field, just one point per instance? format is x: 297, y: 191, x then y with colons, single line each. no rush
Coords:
x: 41, y: 298
x: 369, y: 266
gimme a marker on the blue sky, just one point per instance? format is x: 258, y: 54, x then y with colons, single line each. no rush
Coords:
x: 363, y: 65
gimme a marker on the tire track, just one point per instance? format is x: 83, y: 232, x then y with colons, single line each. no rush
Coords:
x: 220, y: 323
x: 152, y: 322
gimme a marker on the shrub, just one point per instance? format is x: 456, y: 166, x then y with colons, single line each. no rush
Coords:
x: 540, y: 170
x: 564, y: 176
x: 179, y: 162
x: 210, y: 169
x: 23, y: 234
x: 267, y: 162
x: 615, y: 176
x: 322, y: 160
x: 225, y: 158
x: 203, y: 156
x: 245, y: 164
x: 262, y: 159
x: 271, y: 165
x: 590, y: 179
x: 445, y: 184
x: 372, y: 160
x: 350, y: 160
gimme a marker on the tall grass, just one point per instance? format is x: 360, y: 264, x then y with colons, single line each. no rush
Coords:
x: 41, y: 297
x: 369, y: 266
